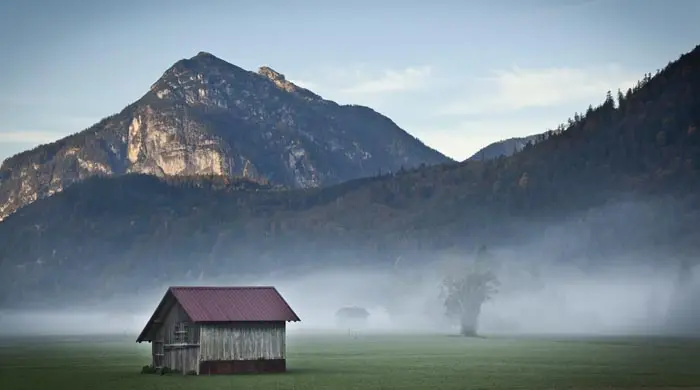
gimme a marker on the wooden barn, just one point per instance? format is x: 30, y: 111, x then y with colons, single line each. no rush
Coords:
x: 219, y: 330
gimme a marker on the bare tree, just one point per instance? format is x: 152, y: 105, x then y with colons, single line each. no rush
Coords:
x: 465, y: 289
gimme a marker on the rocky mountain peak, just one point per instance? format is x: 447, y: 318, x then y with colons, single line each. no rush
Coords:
x: 203, y: 76
x: 205, y: 54
x: 206, y: 116
x: 203, y: 62
x: 271, y: 74
x: 281, y: 82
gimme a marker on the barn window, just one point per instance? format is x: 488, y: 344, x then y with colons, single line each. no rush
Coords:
x: 180, y: 333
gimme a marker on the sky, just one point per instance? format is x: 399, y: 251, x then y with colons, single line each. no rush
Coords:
x: 456, y: 74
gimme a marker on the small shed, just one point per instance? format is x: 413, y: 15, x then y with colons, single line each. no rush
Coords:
x: 219, y: 330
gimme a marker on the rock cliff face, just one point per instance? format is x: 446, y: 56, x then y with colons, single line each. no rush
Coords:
x: 205, y: 116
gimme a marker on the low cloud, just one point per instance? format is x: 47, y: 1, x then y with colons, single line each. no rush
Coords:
x: 520, y: 88
x: 392, y: 80
x: 359, y: 82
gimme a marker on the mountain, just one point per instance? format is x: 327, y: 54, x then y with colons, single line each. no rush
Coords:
x: 206, y: 116
x: 504, y: 148
x: 621, y: 179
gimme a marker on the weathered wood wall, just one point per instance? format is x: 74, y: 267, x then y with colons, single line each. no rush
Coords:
x: 184, y: 359
x: 176, y: 314
x: 177, y: 355
x: 243, y: 341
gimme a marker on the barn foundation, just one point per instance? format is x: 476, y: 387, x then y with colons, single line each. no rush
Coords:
x: 227, y: 367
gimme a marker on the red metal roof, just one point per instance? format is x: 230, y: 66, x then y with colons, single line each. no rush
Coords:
x: 227, y: 304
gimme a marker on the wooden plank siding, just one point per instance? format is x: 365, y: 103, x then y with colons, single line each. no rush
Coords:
x: 242, y: 341
x: 213, y: 342
x: 177, y: 355
x: 183, y: 359
x: 174, y: 316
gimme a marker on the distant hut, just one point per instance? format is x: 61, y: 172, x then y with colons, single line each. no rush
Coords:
x: 219, y: 330
x: 352, y: 318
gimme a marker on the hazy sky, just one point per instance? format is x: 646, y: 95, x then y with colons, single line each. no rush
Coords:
x: 457, y: 74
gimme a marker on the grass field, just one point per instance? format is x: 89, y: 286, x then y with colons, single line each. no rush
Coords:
x: 371, y: 362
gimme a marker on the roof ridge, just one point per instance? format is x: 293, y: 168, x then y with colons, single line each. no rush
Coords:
x: 220, y: 287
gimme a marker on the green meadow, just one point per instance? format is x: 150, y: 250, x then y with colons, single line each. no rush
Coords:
x: 370, y: 362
